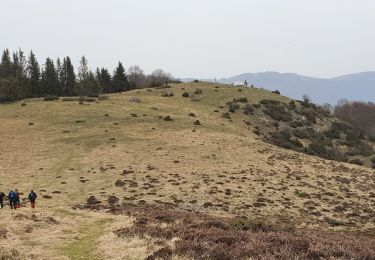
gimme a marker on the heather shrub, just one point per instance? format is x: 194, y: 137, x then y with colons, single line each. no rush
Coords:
x: 248, y: 109
x: 276, y: 110
x: 357, y: 162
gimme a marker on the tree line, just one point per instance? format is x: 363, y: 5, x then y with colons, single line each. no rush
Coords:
x: 23, y: 77
x: 359, y: 114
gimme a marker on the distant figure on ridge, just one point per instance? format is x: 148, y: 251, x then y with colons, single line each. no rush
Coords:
x: 18, y: 205
x: 245, y: 84
x: 2, y: 195
x: 32, y: 198
x: 12, y: 199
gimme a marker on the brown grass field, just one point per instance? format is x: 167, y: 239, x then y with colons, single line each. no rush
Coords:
x: 101, y: 167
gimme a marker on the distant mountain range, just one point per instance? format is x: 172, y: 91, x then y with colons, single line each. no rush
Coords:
x: 358, y: 86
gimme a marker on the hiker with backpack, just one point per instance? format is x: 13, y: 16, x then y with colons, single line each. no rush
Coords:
x: 12, y: 199
x: 2, y: 196
x: 32, y: 198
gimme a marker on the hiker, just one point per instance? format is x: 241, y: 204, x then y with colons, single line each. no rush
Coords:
x: 18, y: 204
x: 12, y: 199
x: 2, y: 195
x: 32, y: 198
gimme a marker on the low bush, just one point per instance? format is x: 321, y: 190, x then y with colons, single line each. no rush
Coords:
x: 248, y: 109
x: 277, y: 92
x: 102, y: 98
x: 233, y: 107
x: 357, y: 162
x: 277, y: 111
x: 51, y: 98
x: 185, y: 94
x: 292, y: 105
x: 90, y: 99
x: 198, y: 91
x: 241, y: 100
x: 69, y: 99
x: 282, y: 139
x: 225, y: 115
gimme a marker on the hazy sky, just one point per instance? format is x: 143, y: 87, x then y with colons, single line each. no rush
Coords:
x: 198, y: 38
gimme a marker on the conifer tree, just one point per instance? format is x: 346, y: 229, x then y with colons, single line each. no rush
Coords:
x: 50, y: 83
x: 68, y: 77
x: 120, y: 81
x: 5, y: 65
x: 33, y: 72
x: 103, y: 78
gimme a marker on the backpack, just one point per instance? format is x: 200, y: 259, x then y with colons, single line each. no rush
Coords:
x: 12, y: 196
x: 32, y: 196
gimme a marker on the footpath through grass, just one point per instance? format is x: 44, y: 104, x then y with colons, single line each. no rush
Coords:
x: 85, y: 246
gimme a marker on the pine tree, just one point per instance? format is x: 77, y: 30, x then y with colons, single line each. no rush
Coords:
x: 5, y: 65
x: 83, y: 70
x: 68, y: 77
x: 50, y: 83
x: 33, y: 72
x: 120, y: 81
x: 60, y: 73
x: 104, y: 80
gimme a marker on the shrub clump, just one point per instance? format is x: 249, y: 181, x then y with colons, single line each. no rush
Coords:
x: 357, y: 162
x: 233, y: 107
x: 185, y: 94
x: 50, y: 98
x: 225, y: 115
x: 248, y: 110
x: 276, y: 110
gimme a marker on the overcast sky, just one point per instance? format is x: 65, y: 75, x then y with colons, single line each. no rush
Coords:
x: 198, y: 38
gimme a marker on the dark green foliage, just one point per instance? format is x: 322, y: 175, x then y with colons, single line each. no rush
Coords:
x: 233, y: 107
x: 310, y: 115
x: 6, y: 65
x: 103, y: 77
x: 248, y: 109
x: 13, y: 77
x: 292, y: 105
x: 226, y: 115
x: 241, y: 100
x: 198, y: 92
x: 362, y: 148
x: 185, y: 94
x: 120, y: 81
x: 301, y: 133
x: 306, y: 102
x: 319, y: 149
x: 51, y: 98
x: 277, y: 92
x: 11, y: 89
x: 276, y: 110
x: 256, y: 105
x: 295, y: 124
x: 282, y: 139
x: 21, y: 79
x: 357, y: 162
x: 68, y: 78
x: 49, y: 82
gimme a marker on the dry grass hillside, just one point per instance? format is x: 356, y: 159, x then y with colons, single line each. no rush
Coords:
x: 119, y: 178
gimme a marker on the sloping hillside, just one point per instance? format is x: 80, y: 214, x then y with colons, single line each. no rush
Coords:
x: 178, y: 148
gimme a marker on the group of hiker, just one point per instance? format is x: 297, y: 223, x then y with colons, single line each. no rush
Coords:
x: 14, y: 199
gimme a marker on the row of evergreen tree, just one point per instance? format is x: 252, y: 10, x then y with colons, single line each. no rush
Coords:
x: 22, y: 77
